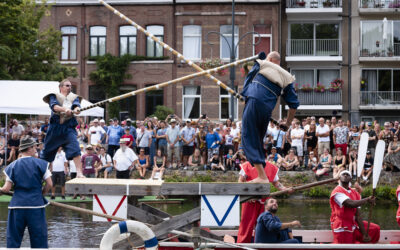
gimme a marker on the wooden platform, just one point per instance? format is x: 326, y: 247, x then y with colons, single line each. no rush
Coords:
x: 133, y: 187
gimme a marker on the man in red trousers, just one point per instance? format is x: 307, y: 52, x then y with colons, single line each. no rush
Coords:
x: 252, y: 209
x: 398, y: 210
x: 346, y: 222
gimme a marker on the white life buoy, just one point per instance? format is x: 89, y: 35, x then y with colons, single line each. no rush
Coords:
x: 150, y: 240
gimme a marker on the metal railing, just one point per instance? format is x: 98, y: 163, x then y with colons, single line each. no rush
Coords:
x: 381, y: 52
x: 314, y: 3
x: 379, y: 4
x: 379, y: 97
x: 313, y: 47
x: 317, y: 98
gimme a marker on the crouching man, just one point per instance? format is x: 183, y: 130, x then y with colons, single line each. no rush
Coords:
x: 270, y: 229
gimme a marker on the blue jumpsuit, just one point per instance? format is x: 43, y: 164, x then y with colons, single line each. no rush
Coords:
x: 61, y: 135
x: 27, y: 206
x: 268, y: 230
x: 261, y: 97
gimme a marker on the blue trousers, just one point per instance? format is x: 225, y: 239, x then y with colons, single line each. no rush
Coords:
x: 34, y: 219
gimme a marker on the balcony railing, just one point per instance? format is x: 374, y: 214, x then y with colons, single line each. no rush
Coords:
x: 316, y: 98
x: 382, y: 52
x: 314, y: 3
x: 380, y: 98
x: 380, y: 4
x: 313, y: 47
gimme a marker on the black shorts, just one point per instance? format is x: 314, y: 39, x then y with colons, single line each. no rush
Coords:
x: 58, y: 178
x: 123, y: 174
x: 187, y: 150
x: 73, y: 176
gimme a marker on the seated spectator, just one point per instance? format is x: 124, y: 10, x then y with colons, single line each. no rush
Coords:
x: 367, y: 170
x: 238, y: 158
x: 105, y: 163
x: 312, y: 160
x: 392, y: 158
x: 159, y: 165
x: 339, y: 162
x: 325, y: 162
x: 196, y: 161
x: 13, y: 146
x: 275, y: 158
x: 229, y: 164
x: 270, y: 229
x: 129, y: 138
x: 143, y: 163
x: 90, y: 161
x: 353, y: 162
x: 291, y: 162
x: 215, y: 163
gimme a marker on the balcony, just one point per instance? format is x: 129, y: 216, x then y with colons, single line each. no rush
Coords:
x: 319, y: 101
x: 375, y: 100
x: 379, y: 6
x: 319, y: 8
x: 381, y: 54
x: 313, y: 50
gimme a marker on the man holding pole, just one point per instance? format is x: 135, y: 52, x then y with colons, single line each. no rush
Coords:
x: 346, y: 222
x: 398, y: 210
x: 262, y: 87
x: 27, y: 206
x: 61, y: 131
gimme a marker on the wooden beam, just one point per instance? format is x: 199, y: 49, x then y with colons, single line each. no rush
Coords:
x: 154, y: 211
x: 143, y: 216
x: 214, y: 189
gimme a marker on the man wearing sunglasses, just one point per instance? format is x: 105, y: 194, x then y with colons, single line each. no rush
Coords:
x: 61, y: 132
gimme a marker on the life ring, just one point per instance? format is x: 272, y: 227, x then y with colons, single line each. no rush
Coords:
x: 150, y: 240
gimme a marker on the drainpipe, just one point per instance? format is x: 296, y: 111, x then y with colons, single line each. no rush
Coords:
x: 349, y: 63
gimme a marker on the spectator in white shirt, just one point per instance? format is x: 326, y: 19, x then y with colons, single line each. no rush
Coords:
x: 323, y: 136
x: 124, y: 160
x: 96, y: 133
x: 188, y: 135
x: 106, y: 165
x: 297, y: 135
x: 59, y: 169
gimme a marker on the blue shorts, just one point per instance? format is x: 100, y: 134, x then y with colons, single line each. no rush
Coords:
x: 60, y: 135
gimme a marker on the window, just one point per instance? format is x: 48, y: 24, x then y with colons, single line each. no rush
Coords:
x: 314, y: 39
x: 154, y: 49
x: 68, y: 51
x: 265, y: 35
x: 128, y: 105
x: 381, y: 80
x: 153, y: 99
x: 191, y: 102
x: 225, y: 45
x: 380, y: 39
x: 96, y: 94
x: 225, y: 102
x: 313, y: 76
x: 97, y: 40
x: 127, y: 40
x: 192, y: 41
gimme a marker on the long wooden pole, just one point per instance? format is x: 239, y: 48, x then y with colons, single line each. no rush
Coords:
x: 302, y: 187
x: 167, y: 47
x: 161, y: 85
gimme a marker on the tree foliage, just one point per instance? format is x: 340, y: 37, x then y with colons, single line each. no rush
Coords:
x: 26, y: 52
x: 109, y: 75
x: 162, y: 112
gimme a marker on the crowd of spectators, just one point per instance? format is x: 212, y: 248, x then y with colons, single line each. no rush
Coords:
x: 322, y: 146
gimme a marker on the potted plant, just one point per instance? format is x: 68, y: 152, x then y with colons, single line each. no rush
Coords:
x: 365, y: 52
x: 327, y: 3
x: 319, y: 88
x: 306, y: 87
x: 211, y: 63
x: 301, y: 3
x: 390, y: 52
x: 363, y: 83
x: 365, y: 3
x: 336, y: 85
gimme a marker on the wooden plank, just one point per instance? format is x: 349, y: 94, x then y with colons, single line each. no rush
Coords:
x: 215, y: 189
x: 143, y: 216
x: 102, y: 186
x: 155, y: 211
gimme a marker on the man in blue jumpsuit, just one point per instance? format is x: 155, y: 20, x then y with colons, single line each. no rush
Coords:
x: 263, y: 85
x: 27, y: 206
x: 61, y: 131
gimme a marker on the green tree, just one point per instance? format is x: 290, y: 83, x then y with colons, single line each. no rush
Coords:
x: 26, y: 52
x: 162, y: 112
x: 109, y: 75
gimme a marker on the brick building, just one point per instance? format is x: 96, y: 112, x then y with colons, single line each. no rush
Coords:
x: 90, y: 29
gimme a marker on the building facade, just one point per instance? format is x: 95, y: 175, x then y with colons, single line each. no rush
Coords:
x: 90, y: 29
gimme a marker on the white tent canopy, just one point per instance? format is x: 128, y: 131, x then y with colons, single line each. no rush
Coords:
x: 26, y: 97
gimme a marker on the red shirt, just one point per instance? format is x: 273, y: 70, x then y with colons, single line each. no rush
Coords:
x: 398, y: 210
x: 131, y: 140
x: 343, y: 218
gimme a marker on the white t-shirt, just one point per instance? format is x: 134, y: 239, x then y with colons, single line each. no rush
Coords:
x: 188, y: 133
x: 144, y: 138
x: 323, y: 130
x: 95, y: 134
x: 105, y: 159
x: 235, y: 132
x: 242, y: 173
x: 18, y: 129
x: 58, y: 163
x: 124, y: 159
x: 72, y: 166
x: 297, y: 132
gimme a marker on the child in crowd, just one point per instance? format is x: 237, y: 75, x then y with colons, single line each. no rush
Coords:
x: 215, y: 163
x: 229, y: 160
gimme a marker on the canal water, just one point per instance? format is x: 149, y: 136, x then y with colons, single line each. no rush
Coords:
x: 67, y: 228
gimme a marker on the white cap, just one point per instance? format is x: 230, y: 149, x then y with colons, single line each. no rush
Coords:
x: 172, y: 120
x: 345, y: 172
x: 102, y: 120
x: 96, y: 120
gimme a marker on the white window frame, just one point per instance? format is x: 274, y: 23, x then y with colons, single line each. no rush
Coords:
x: 262, y: 36
x: 377, y: 69
x: 130, y: 36
x: 161, y: 37
x: 229, y: 105
x: 98, y: 37
x: 315, y: 72
x: 192, y: 35
x: 69, y: 35
x: 229, y: 38
x: 190, y: 96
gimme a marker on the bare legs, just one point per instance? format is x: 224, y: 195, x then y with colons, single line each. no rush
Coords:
x: 262, y: 178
